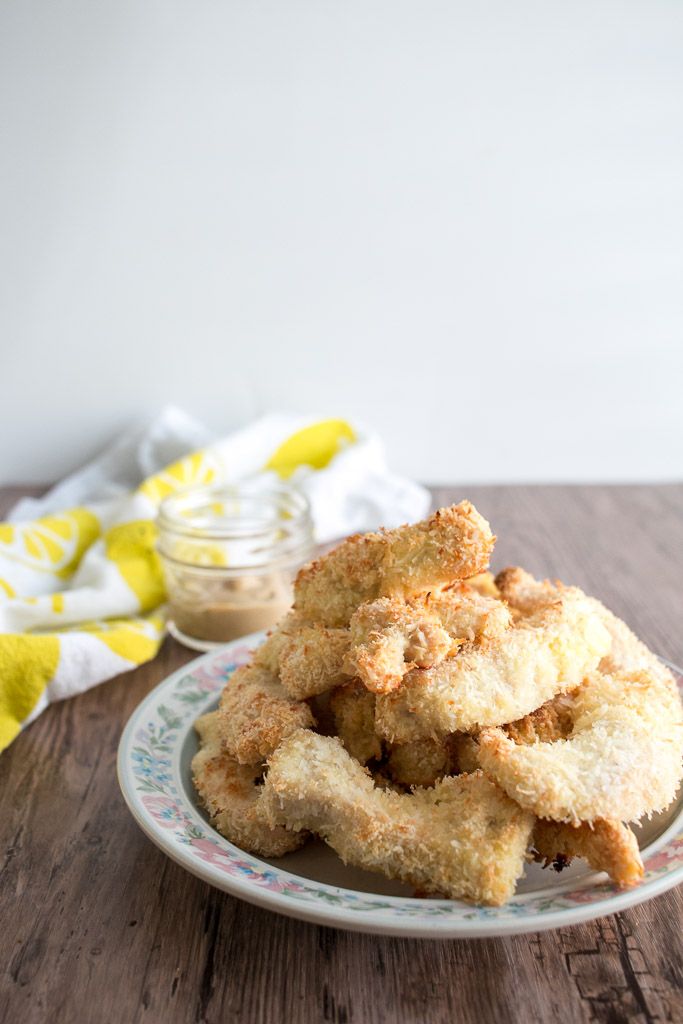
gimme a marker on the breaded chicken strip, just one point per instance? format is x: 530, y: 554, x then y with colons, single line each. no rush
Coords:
x: 255, y: 713
x: 607, y: 846
x: 463, y: 838
x: 268, y: 654
x: 623, y: 758
x: 421, y: 763
x: 554, y: 720
x: 312, y: 660
x: 412, y: 764
x: 390, y: 636
x: 500, y: 679
x: 454, y: 543
x: 522, y: 591
x: 229, y: 792
x: 353, y: 708
x: 466, y: 613
x: 307, y: 657
x: 627, y: 653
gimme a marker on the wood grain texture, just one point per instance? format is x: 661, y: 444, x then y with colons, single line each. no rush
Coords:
x: 99, y: 926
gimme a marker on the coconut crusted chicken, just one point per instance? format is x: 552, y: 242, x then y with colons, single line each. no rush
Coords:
x: 442, y: 726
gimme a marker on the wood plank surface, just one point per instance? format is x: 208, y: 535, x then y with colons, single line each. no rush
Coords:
x: 99, y: 926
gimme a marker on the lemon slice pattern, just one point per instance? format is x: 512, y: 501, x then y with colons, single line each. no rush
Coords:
x: 314, y: 446
x: 191, y: 471
x: 53, y: 544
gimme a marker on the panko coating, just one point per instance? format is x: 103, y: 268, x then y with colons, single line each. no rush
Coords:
x: 452, y: 544
x: 307, y: 657
x: 546, y: 652
x: 421, y: 763
x: 463, y: 838
x: 500, y: 718
x: 622, y: 759
x: 229, y: 791
x: 606, y: 845
x: 255, y: 713
x: 353, y: 708
x: 390, y: 636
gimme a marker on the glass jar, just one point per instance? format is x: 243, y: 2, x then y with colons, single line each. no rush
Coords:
x: 230, y: 554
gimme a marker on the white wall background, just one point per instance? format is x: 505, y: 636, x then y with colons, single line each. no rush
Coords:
x: 460, y: 222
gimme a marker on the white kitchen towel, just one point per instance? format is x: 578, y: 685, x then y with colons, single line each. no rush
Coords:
x: 81, y: 589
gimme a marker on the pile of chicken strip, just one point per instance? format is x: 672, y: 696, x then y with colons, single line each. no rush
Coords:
x: 442, y: 725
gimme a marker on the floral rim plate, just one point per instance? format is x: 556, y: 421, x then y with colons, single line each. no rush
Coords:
x: 312, y: 884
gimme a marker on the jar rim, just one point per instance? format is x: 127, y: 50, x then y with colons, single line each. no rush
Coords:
x: 178, y: 510
x: 272, y: 518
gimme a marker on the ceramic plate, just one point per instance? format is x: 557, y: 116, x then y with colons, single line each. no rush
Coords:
x: 312, y: 883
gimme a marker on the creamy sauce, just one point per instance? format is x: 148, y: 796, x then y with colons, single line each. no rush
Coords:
x: 231, y: 608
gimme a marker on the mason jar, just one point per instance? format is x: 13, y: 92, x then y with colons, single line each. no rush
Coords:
x: 230, y: 554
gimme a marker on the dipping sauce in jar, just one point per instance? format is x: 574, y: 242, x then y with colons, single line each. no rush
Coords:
x: 230, y: 554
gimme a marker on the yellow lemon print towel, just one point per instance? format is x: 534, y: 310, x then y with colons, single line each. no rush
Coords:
x: 81, y: 589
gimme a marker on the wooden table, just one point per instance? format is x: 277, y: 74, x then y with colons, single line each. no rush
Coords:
x: 99, y: 926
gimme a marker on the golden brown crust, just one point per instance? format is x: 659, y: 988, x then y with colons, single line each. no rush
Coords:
x: 556, y: 717
x: 421, y: 763
x: 255, y: 713
x: 308, y: 658
x: 463, y: 837
x: 391, y: 636
x: 268, y: 654
x: 501, y: 678
x: 353, y: 708
x: 554, y: 720
x: 522, y: 591
x: 607, y: 846
x: 312, y: 660
x: 623, y: 758
x: 453, y: 543
x: 229, y: 792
